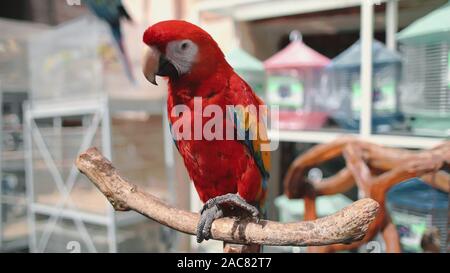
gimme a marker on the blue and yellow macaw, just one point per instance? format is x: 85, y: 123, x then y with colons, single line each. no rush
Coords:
x: 113, y: 11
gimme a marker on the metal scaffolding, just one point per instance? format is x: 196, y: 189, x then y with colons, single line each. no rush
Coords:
x: 80, y: 98
x: 14, y: 61
x: 49, y: 229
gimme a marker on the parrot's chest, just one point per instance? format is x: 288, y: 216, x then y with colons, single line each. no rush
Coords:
x: 211, y: 161
x: 215, y: 167
x: 202, y: 142
x: 216, y: 163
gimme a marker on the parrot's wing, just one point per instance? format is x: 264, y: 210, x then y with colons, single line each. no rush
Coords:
x: 124, y: 13
x: 253, y: 134
x: 107, y: 10
x: 249, y: 120
x: 253, y: 137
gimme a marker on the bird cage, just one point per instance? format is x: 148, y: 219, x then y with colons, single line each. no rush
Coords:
x: 14, y: 88
x: 66, y: 60
x: 70, y: 110
x: 293, y: 81
x: 14, y: 43
x: 416, y: 209
x: 67, y: 212
x: 425, y: 98
x: 13, y: 224
x: 249, y: 68
x: 344, y: 85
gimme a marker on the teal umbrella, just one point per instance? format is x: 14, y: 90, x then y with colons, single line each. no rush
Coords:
x: 249, y: 68
x: 434, y: 27
x: 241, y: 60
x: 350, y: 59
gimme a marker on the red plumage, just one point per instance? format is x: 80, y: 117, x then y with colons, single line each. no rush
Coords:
x: 217, y: 167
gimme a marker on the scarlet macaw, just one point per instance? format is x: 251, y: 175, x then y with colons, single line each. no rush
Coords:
x: 226, y: 173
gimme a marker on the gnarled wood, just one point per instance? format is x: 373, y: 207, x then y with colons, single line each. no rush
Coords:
x: 374, y: 169
x: 345, y: 226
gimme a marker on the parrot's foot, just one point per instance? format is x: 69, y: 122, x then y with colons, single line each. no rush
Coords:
x: 212, y: 210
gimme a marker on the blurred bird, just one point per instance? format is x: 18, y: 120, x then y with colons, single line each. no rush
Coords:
x: 113, y: 11
x: 226, y: 172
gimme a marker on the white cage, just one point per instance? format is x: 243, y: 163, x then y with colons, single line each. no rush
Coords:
x: 72, y: 108
x: 344, y: 85
x: 66, y: 212
x: 426, y: 86
x: 14, y: 89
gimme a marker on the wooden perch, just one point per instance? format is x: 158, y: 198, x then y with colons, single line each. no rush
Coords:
x: 345, y: 226
x: 374, y: 169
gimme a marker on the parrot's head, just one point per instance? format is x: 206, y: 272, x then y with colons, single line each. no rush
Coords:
x: 181, y: 51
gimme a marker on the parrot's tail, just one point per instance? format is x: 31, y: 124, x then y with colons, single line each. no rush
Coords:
x: 124, y: 13
x: 126, y: 63
x: 116, y: 32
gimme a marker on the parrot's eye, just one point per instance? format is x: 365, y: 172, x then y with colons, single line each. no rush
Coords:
x: 182, y: 54
x: 184, y: 45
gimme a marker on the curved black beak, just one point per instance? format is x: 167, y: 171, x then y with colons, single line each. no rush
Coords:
x: 166, y: 68
x: 156, y: 64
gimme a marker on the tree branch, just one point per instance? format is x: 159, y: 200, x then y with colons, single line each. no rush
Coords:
x: 345, y: 226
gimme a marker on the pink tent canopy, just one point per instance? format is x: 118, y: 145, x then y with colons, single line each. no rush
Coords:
x: 296, y: 55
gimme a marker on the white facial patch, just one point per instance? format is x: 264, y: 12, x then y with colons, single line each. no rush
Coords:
x: 182, y: 54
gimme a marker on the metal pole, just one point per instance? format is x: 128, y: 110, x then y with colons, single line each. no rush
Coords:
x: 195, y: 203
x: 1, y: 168
x: 28, y: 150
x: 169, y: 160
x: 391, y: 41
x: 391, y: 23
x: 107, y: 151
x: 169, y: 157
x: 367, y: 14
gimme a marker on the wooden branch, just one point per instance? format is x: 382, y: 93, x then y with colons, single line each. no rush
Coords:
x: 341, y: 182
x: 294, y: 180
x: 377, y: 158
x: 345, y: 226
x: 374, y: 169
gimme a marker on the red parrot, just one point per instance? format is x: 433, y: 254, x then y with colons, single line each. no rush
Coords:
x: 227, y: 173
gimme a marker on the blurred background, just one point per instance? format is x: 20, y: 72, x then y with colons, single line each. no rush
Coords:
x: 378, y: 69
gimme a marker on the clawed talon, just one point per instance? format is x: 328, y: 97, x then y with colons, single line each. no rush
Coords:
x: 207, y: 216
x: 212, y: 210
